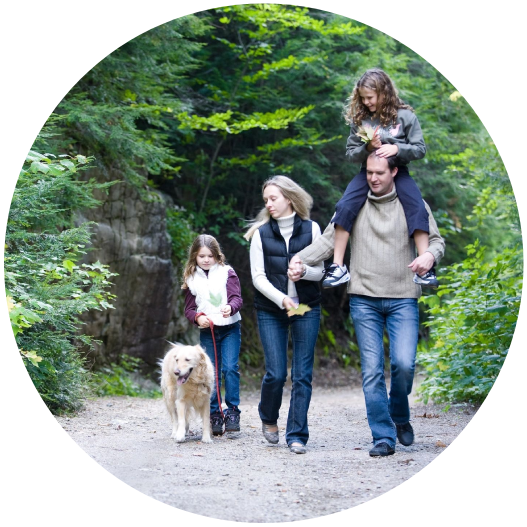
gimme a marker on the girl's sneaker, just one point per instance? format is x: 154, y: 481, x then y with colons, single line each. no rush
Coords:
x: 216, y: 423
x: 232, y: 420
x: 429, y: 279
x: 335, y: 275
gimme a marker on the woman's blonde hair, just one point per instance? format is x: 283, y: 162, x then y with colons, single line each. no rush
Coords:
x: 379, y: 82
x: 203, y: 240
x: 301, y: 202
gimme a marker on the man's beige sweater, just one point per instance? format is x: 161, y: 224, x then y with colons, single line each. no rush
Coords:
x: 380, y: 249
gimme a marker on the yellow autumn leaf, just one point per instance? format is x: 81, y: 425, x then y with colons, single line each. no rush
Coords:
x: 298, y: 310
x: 366, y: 133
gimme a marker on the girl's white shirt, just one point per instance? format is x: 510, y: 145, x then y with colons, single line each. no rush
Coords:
x: 260, y: 281
x: 211, y: 293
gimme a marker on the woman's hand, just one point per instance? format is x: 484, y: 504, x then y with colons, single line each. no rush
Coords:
x: 203, y: 321
x: 226, y: 311
x: 387, y: 151
x: 296, y: 268
x: 288, y: 303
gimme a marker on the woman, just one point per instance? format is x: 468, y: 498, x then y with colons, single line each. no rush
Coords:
x: 281, y: 229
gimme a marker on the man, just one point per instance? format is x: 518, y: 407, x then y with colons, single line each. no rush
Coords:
x: 382, y: 294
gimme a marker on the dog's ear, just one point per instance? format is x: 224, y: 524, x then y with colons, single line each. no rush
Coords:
x: 202, y: 358
x: 202, y: 354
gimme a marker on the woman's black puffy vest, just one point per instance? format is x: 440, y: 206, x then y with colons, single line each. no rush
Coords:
x: 276, y: 262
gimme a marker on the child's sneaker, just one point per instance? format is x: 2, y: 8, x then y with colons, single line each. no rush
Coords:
x: 232, y: 420
x: 429, y: 279
x: 335, y: 275
x: 216, y: 423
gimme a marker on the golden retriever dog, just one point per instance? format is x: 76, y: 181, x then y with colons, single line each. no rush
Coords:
x: 187, y: 379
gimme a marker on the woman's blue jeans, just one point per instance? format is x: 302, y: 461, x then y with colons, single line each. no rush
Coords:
x: 274, y: 331
x: 228, y: 339
x: 400, y: 316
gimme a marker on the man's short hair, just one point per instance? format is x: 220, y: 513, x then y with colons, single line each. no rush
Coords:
x: 392, y: 160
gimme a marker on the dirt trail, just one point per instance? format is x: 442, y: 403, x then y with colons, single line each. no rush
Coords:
x: 241, y: 477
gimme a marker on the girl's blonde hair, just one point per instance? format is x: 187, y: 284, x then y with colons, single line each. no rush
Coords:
x: 301, y: 202
x: 378, y: 81
x: 203, y: 240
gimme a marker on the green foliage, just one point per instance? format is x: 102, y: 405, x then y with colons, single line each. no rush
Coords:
x: 181, y: 232
x: 121, y: 109
x: 47, y: 285
x: 472, y: 321
x: 332, y: 343
x: 121, y: 379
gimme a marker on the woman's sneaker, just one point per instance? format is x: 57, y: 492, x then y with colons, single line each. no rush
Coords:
x: 428, y: 279
x: 232, y: 420
x: 216, y: 423
x: 335, y: 275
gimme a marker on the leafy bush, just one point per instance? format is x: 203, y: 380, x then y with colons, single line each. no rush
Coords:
x: 181, y: 232
x: 472, y: 321
x: 122, y: 379
x: 47, y: 286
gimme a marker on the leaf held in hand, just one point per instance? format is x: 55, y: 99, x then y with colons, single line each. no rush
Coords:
x: 299, y: 310
x: 366, y: 133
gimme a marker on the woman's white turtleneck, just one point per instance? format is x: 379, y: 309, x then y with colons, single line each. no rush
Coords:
x: 260, y: 281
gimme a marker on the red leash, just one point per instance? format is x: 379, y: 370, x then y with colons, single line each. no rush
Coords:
x: 218, y: 394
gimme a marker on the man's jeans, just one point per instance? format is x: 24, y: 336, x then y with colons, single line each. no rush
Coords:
x: 228, y: 339
x: 274, y: 334
x: 400, y: 316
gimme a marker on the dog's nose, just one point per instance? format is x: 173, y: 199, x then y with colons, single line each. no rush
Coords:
x: 177, y: 372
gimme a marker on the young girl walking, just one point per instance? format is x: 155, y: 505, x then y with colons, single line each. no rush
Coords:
x: 380, y: 121
x: 213, y: 294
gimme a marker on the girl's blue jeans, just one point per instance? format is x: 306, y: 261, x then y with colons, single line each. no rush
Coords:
x: 356, y: 193
x: 228, y: 340
x: 400, y: 317
x: 274, y: 328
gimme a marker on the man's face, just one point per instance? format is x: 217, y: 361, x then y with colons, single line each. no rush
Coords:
x: 379, y: 175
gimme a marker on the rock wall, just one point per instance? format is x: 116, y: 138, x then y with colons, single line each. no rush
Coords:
x: 131, y: 238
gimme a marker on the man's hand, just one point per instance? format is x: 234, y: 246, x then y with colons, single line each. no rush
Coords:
x: 296, y: 268
x: 423, y: 263
x: 387, y: 151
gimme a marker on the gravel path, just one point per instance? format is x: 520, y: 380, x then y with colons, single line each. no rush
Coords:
x: 241, y: 477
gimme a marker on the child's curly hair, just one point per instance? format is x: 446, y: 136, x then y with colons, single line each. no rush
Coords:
x: 203, y: 240
x: 378, y: 81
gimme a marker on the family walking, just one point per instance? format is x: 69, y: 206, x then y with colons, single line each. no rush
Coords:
x: 395, y: 244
